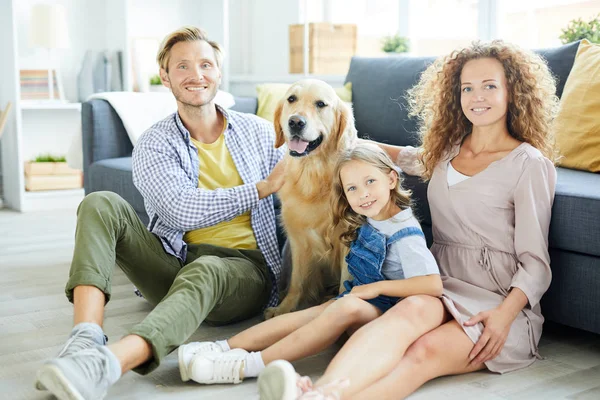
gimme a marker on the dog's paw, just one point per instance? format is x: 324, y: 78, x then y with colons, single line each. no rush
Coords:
x: 275, y: 311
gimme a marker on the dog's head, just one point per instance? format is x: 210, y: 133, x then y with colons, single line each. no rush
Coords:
x: 312, y: 117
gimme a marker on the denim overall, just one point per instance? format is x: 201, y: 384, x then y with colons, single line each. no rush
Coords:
x: 366, y: 257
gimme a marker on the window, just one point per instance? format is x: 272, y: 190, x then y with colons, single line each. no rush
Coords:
x: 538, y: 23
x: 436, y: 27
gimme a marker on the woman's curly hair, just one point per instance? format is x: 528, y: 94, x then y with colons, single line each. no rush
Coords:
x: 343, y: 214
x: 532, y: 102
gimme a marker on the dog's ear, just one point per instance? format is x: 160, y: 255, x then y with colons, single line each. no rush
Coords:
x: 346, y: 131
x: 279, y: 137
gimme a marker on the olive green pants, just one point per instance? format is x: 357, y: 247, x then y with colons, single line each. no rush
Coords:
x: 216, y: 284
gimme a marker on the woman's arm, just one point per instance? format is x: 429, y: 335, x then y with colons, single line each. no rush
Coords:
x: 429, y: 284
x: 533, y: 198
x: 406, y: 157
x: 392, y: 150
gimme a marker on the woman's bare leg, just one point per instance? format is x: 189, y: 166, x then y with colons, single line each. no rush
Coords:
x: 443, y: 351
x: 382, y: 343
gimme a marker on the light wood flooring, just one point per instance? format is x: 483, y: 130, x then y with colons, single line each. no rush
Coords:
x: 35, y: 319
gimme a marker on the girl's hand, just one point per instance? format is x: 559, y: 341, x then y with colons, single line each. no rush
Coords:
x: 496, y: 324
x: 365, y: 292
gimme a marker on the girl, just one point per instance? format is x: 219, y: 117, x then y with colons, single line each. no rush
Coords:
x: 388, y: 260
x: 487, y: 152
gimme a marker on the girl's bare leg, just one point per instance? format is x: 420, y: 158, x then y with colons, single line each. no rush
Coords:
x: 443, y: 351
x: 263, y: 335
x: 322, y: 331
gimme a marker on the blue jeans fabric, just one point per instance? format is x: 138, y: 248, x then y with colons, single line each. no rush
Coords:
x: 366, y: 257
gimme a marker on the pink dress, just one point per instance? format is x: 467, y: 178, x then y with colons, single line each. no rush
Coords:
x: 490, y: 234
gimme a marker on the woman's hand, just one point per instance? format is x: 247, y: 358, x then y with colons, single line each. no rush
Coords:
x: 366, y: 292
x: 496, y: 324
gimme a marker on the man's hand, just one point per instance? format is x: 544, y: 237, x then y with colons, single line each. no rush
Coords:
x: 273, y: 182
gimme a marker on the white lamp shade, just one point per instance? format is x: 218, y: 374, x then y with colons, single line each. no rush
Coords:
x: 48, y: 27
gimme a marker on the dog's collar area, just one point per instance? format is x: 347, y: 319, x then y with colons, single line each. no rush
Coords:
x: 311, y: 146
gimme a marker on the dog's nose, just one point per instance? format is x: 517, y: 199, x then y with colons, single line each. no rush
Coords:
x: 297, y: 123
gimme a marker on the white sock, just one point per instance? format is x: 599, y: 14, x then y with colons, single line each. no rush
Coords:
x: 223, y: 344
x: 95, y: 330
x: 254, y: 365
x: 114, y: 365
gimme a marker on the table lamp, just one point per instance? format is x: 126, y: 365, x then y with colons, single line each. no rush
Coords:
x: 48, y: 29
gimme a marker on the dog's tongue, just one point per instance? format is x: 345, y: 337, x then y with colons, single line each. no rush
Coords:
x: 297, y: 145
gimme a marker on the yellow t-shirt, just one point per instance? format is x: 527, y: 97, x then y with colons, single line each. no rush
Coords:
x: 217, y: 170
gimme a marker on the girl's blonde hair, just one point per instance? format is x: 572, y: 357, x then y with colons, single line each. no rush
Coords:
x: 532, y: 102
x: 343, y: 215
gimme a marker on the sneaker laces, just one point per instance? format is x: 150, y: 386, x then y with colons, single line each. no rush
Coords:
x: 78, y: 341
x: 209, y: 347
x: 93, y: 363
x: 227, y: 370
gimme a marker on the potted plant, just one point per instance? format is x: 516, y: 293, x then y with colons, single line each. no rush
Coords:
x: 156, y: 84
x: 395, y: 44
x: 579, y: 29
x: 48, y: 172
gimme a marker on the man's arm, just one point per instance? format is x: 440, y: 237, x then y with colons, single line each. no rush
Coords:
x: 160, y: 178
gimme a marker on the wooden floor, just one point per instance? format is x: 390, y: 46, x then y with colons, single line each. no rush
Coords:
x: 35, y: 319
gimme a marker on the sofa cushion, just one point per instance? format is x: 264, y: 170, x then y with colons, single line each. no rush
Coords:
x: 577, y: 124
x: 114, y: 174
x: 245, y: 104
x: 560, y: 60
x: 575, y: 222
x: 378, y: 89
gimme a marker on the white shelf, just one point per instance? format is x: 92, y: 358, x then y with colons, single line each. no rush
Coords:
x: 54, y: 193
x: 50, y: 106
x: 52, y: 199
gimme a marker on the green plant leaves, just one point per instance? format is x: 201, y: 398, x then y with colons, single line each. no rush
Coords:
x: 395, y: 44
x: 579, y: 29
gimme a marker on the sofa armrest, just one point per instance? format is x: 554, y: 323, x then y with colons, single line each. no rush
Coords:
x: 103, y: 135
x: 245, y: 104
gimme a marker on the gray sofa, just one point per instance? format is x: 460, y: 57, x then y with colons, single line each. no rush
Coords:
x: 378, y: 86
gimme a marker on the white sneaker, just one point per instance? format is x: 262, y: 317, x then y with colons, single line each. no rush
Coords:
x: 186, y: 352
x: 225, y: 367
x: 278, y: 381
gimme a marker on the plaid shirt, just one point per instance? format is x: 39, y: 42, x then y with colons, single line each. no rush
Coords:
x: 166, y: 169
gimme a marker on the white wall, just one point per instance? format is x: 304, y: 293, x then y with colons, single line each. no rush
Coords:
x: 259, y: 36
x: 12, y: 170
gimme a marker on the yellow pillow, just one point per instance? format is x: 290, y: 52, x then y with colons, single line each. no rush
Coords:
x: 578, y: 121
x: 269, y: 95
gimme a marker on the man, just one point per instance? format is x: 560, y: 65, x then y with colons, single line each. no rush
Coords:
x: 210, y: 251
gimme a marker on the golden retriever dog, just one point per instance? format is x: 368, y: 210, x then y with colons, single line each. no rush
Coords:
x: 316, y: 125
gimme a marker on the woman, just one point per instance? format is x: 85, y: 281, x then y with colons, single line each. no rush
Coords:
x: 487, y: 146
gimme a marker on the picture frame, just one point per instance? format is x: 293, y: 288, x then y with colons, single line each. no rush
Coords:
x: 36, y: 83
